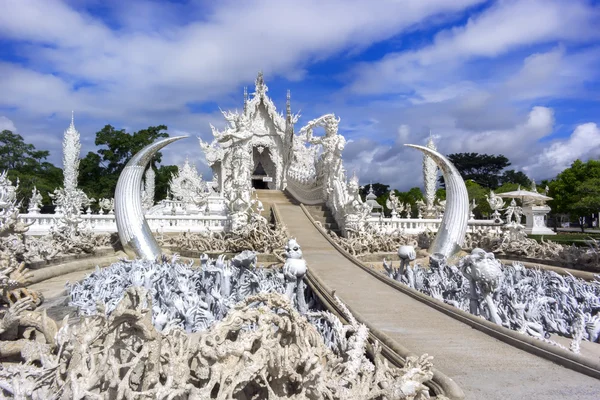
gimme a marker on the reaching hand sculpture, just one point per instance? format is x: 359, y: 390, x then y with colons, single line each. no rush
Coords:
x: 484, y: 272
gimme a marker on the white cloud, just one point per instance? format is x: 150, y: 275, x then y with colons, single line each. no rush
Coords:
x: 503, y: 27
x: 138, y: 72
x: 7, y: 124
x: 584, y: 143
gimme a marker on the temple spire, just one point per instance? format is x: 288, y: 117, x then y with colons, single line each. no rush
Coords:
x: 71, y: 151
x: 288, y: 107
x: 245, y: 98
x: 430, y: 170
x: 260, y: 87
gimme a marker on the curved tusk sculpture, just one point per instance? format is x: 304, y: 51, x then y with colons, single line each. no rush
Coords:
x: 451, y: 234
x: 134, y: 232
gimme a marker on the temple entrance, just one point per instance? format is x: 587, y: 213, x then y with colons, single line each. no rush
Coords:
x: 263, y: 176
x: 260, y: 178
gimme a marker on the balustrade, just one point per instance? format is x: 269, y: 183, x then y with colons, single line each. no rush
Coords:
x: 40, y: 224
x: 416, y: 226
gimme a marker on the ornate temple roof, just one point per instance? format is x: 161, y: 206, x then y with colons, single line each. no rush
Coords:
x: 241, y: 126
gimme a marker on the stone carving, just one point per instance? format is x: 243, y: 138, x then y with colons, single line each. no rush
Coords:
x: 496, y: 204
x: 141, y: 338
x: 484, y: 273
x: 531, y: 301
x: 439, y: 208
x: 108, y: 205
x: 430, y: 171
x: 35, y: 202
x: 352, y: 211
x: 187, y: 186
x: 70, y: 201
x: 373, y: 241
x: 9, y: 207
x: 513, y: 211
x: 393, y: 204
x: 329, y: 166
x: 294, y: 271
x: 421, y: 208
x: 258, y: 235
x: 254, y: 139
x: 149, y: 189
x: 472, y: 207
x: 371, y: 200
x: 134, y: 232
x: 406, y: 254
x: 451, y: 234
x: 512, y: 240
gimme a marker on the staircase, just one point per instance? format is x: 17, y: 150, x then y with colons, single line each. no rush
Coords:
x: 319, y: 212
x: 323, y: 214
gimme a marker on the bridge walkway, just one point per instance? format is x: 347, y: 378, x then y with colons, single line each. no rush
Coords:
x: 484, y: 367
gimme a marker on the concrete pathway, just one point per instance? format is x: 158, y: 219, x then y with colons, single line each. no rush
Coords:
x: 485, y: 368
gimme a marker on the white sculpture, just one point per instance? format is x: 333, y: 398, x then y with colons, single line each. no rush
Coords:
x: 496, y: 204
x: 451, y: 233
x: 107, y: 204
x: 406, y: 254
x: 9, y: 208
x: 430, y: 172
x: 392, y: 203
x: 187, y: 186
x: 513, y: 211
x: 472, y: 207
x: 149, y: 189
x: 35, y: 202
x: 484, y: 273
x: 70, y: 200
x: 294, y: 271
x: 531, y: 301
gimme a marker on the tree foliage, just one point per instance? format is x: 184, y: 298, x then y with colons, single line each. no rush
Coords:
x: 516, y: 177
x: 478, y: 193
x: 99, y: 172
x: 23, y: 161
x: 576, y: 190
x: 483, y: 169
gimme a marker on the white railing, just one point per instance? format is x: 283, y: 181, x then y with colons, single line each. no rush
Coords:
x: 416, y: 226
x: 41, y: 223
x: 305, y: 194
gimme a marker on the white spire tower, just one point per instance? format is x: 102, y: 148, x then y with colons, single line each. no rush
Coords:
x: 429, y: 176
x: 71, y: 151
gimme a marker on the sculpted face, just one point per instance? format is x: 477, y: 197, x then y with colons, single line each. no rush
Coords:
x: 293, y: 250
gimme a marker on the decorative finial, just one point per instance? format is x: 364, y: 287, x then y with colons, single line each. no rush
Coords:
x: 72, y: 118
x: 245, y: 98
x: 260, y: 82
x: 288, y: 105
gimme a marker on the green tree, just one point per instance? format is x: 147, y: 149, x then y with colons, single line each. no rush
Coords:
x: 518, y: 177
x: 484, y: 169
x: 440, y: 194
x: 576, y: 190
x: 99, y: 172
x: 27, y: 164
x: 163, y: 177
x: 410, y: 198
x: 478, y: 193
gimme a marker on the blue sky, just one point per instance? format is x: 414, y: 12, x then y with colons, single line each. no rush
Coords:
x: 518, y: 78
